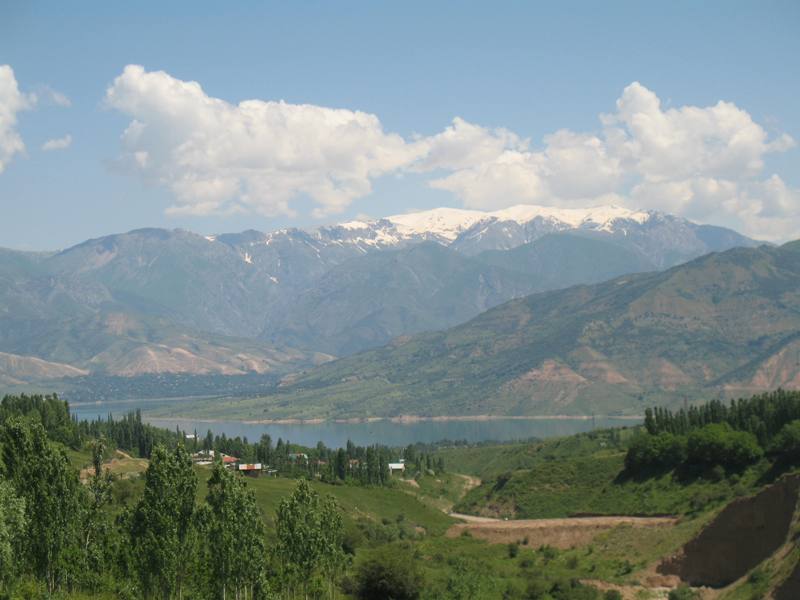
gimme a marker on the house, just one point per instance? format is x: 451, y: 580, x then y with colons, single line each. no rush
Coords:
x: 397, y: 467
x: 249, y: 469
x: 204, y: 457
x: 229, y: 461
x: 298, y: 456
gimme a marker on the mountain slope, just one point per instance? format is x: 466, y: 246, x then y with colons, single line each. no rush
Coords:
x: 367, y: 301
x: 715, y: 325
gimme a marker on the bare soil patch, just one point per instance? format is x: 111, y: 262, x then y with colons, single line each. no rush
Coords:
x: 559, y: 533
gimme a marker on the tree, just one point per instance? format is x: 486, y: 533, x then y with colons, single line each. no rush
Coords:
x: 662, y: 450
x: 234, y: 531
x: 161, y: 522
x: 12, y: 528
x: 787, y: 442
x: 309, y: 531
x: 54, y: 501
x: 719, y: 444
x: 97, y: 529
x: 389, y: 575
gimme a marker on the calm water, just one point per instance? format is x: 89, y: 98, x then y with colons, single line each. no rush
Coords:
x: 381, y: 432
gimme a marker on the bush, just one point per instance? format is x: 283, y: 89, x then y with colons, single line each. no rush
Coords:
x: 719, y: 444
x: 388, y: 574
x: 612, y: 595
x: 682, y: 593
x: 513, y: 549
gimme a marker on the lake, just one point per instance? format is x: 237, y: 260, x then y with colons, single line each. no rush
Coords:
x: 388, y: 433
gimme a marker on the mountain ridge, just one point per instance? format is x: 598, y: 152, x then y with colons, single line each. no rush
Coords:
x: 295, y: 297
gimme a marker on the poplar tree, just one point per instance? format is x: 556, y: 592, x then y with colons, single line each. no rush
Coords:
x: 233, y: 530
x: 54, y: 501
x: 161, y: 522
x: 12, y: 528
x: 309, y: 530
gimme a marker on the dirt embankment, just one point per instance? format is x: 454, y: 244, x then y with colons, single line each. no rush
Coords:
x: 560, y: 533
x: 745, y: 533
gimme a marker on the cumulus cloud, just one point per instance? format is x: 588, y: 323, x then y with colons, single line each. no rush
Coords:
x: 12, y: 102
x: 57, y: 143
x: 261, y: 156
x: 257, y: 155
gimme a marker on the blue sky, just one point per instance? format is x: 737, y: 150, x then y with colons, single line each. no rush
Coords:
x: 513, y: 73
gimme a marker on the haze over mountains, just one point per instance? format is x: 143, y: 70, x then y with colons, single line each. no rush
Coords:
x: 155, y: 301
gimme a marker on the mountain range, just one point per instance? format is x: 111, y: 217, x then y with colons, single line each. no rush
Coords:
x: 726, y: 324
x: 156, y: 301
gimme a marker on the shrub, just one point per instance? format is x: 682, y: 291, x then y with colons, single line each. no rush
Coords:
x: 513, y: 549
x: 388, y: 575
x: 612, y: 595
x: 682, y: 593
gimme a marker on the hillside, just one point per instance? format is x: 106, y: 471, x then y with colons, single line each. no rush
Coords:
x: 725, y: 323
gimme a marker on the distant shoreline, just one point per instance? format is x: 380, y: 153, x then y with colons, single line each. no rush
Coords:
x: 402, y: 419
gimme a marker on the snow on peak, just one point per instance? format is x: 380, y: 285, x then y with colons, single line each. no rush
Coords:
x: 448, y: 223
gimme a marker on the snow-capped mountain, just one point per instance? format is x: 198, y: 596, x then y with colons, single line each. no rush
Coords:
x: 664, y: 239
x: 453, y: 225
x: 334, y: 290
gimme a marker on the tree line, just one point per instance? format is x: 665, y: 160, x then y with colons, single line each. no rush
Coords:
x: 353, y: 464
x: 712, y: 434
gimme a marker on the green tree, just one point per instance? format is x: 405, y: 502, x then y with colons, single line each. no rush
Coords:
x: 309, y: 530
x: 234, y: 533
x: 161, y: 523
x: 719, y: 444
x: 12, y: 528
x: 787, y: 442
x: 54, y: 501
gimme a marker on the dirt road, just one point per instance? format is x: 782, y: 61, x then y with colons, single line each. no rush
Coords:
x: 560, y: 533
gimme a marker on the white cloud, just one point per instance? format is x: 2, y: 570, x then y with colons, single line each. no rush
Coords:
x: 702, y: 163
x: 57, y: 143
x: 261, y: 156
x: 12, y: 101
x: 257, y: 156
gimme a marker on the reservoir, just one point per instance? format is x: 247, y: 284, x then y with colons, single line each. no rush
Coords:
x: 385, y: 432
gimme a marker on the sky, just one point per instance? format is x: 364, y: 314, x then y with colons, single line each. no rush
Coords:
x: 218, y: 117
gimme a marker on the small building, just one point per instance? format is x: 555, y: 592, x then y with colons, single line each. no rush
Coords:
x: 204, y: 457
x: 298, y: 456
x: 229, y: 462
x: 397, y: 467
x: 249, y: 469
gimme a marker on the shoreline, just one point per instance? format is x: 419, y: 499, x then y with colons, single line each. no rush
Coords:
x: 400, y: 420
